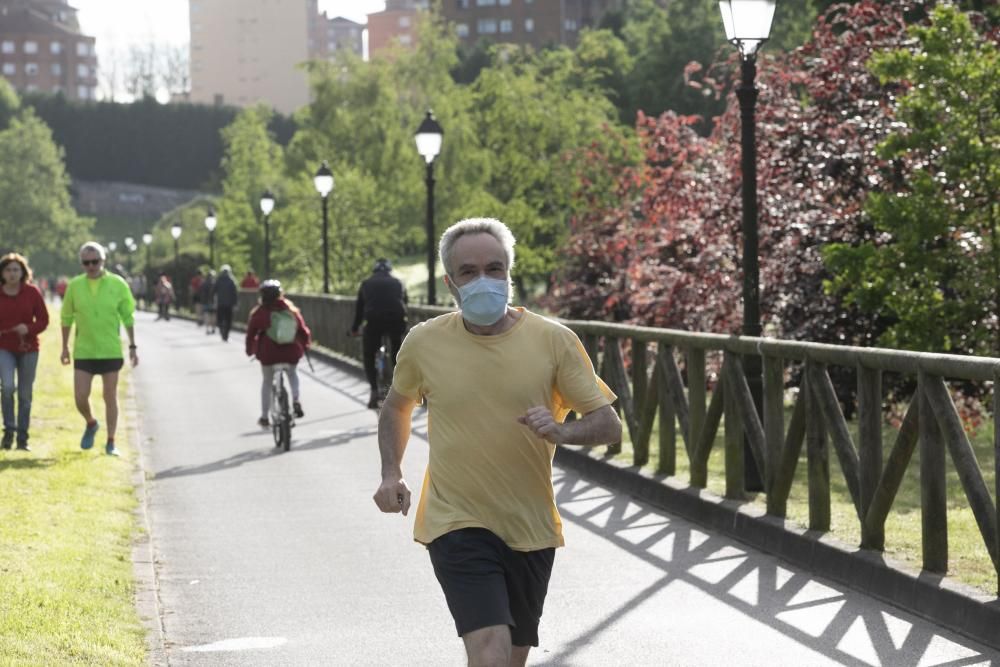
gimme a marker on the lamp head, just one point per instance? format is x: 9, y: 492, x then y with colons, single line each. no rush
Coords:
x: 323, y: 180
x: 266, y: 202
x: 175, y: 231
x: 747, y: 23
x: 210, y: 220
x: 428, y: 137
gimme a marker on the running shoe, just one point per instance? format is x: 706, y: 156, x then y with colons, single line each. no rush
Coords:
x: 297, y: 409
x: 110, y: 449
x: 87, y: 441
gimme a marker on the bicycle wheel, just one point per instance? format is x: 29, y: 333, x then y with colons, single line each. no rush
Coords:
x: 281, y: 416
x: 383, y: 371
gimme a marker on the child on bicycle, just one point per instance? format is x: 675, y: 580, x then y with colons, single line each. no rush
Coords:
x: 277, y: 334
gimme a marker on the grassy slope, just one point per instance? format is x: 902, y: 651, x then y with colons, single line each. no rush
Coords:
x: 66, y: 527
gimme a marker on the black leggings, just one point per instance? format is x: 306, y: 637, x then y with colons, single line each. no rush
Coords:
x: 372, y: 338
x: 224, y: 319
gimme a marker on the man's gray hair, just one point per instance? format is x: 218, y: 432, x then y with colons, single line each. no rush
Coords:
x: 491, y: 226
x: 94, y: 246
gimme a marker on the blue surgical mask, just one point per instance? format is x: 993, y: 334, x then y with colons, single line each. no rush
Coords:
x: 483, y: 301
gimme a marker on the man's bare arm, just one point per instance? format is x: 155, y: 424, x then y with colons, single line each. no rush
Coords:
x: 598, y: 427
x: 393, y: 495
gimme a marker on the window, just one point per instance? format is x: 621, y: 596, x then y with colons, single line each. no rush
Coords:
x: 56, y: 69
x: 462, y: 29
x: 7, y: 46
x: 55, y: 48
x: 82, y: 49
x: 9, y: 69
x: 485, y: 3
x: 405, y: 40
x: 570, y: 24
x: 31, y: 47
x: 529, y: 25
x: 404, y: 21
x: 462, y: 4
x: 504, y: 2
x: 82, y: 71
x: 82, y: 92
x: 486, y: 26
x: 31, y: 69
x: 31, y: 88
x: 506, y: 26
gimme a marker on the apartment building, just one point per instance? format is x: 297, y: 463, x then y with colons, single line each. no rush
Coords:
x: 43, y: 50
x: 396, y: 24
x: 537, y: 23
x: 336, y: 34
x: 249, y: 51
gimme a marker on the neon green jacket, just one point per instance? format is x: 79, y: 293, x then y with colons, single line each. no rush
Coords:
x: 98, y: 316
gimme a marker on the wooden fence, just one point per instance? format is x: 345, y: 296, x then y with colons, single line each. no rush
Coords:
x: 931, y: 421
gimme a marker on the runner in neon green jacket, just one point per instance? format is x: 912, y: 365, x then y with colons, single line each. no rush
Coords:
x: 98, y: 303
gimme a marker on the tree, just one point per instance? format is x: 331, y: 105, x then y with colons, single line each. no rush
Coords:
x: 36, y: 216
x: 253, y: 162
x: 936, y: 247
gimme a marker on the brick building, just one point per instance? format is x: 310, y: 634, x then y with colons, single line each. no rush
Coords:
x: 394, y: 25
x: 43, y: 50
x: 537, y: 23
x: 336, y: 34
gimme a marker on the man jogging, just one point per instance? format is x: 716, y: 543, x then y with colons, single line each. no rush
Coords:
x: 381, y: 304
x: 498, y: 382
x: 98, y: 302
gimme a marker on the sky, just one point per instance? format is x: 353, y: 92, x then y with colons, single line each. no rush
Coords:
x: 119, y: 23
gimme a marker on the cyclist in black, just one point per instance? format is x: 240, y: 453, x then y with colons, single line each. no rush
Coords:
x: 381, y: 305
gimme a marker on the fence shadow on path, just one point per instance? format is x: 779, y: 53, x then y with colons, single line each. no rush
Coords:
x: 817, y: 614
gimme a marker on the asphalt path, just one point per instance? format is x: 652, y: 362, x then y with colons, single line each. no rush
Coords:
x: 268, y: 558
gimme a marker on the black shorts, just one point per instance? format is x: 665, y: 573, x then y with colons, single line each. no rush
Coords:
x: 98, y: 366
x: 487, y: 583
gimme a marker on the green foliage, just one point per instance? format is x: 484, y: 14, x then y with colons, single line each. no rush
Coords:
x: 252, y: 163
x: 173, y: 145
x: 36, y: 217
x: 9, y: 103
x: 936, y: 253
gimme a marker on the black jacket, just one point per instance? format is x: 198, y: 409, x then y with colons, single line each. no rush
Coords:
x: 225, y: 290
x: 381, y: 297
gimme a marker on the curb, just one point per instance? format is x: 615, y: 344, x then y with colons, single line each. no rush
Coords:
x: 957, y: 607
x: 147, y: 590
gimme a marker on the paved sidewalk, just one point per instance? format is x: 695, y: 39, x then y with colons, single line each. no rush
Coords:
x: 266, y: 558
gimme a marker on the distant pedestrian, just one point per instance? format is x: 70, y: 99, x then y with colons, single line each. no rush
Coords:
x: 164, y: 295
x: 250, y: 280
x: 226, y: 296
x: 194, y: 293
x: 22, y: 317
x: 98, y: 303
x: 206, y: 294
x: 498, y: 382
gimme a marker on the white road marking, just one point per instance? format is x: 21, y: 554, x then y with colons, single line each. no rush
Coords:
x: 238, y: 644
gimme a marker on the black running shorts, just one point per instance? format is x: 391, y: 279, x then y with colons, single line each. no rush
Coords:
x: 98, y: 366
x: 487, y: 583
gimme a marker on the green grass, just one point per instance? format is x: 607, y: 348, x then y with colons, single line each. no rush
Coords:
x: 969, y: 561
x: 66, y: 529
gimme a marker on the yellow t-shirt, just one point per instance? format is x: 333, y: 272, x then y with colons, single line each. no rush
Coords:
x: 485, y: 469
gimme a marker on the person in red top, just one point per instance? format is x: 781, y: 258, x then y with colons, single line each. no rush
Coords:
x: 259, y: 342
x: 250, y: 280
x: 22, y: 317
x: 195, y: 293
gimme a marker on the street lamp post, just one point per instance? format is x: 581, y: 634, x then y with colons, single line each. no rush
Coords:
x: 175, y: 231
x: 112, y: 246
x: 210, y: 222
x: 147, y: 239
x: 266, y: 206
x: 428, y: 139
x: 748, y: 26
x: 323, y: 180
x: 129, y: 248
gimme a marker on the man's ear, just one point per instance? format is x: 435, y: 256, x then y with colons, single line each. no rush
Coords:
x: 447, y: 280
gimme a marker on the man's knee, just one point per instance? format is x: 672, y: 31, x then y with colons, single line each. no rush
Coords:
x: 488, y: 647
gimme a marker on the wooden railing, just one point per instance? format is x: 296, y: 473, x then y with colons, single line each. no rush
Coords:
x: 696, y: 410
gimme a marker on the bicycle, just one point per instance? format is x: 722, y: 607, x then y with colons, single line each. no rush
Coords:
x: 281, y: 411
x: 383, y: 370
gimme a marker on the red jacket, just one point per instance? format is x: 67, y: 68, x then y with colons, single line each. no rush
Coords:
x: 268, y: 352
x: 28, y: 307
